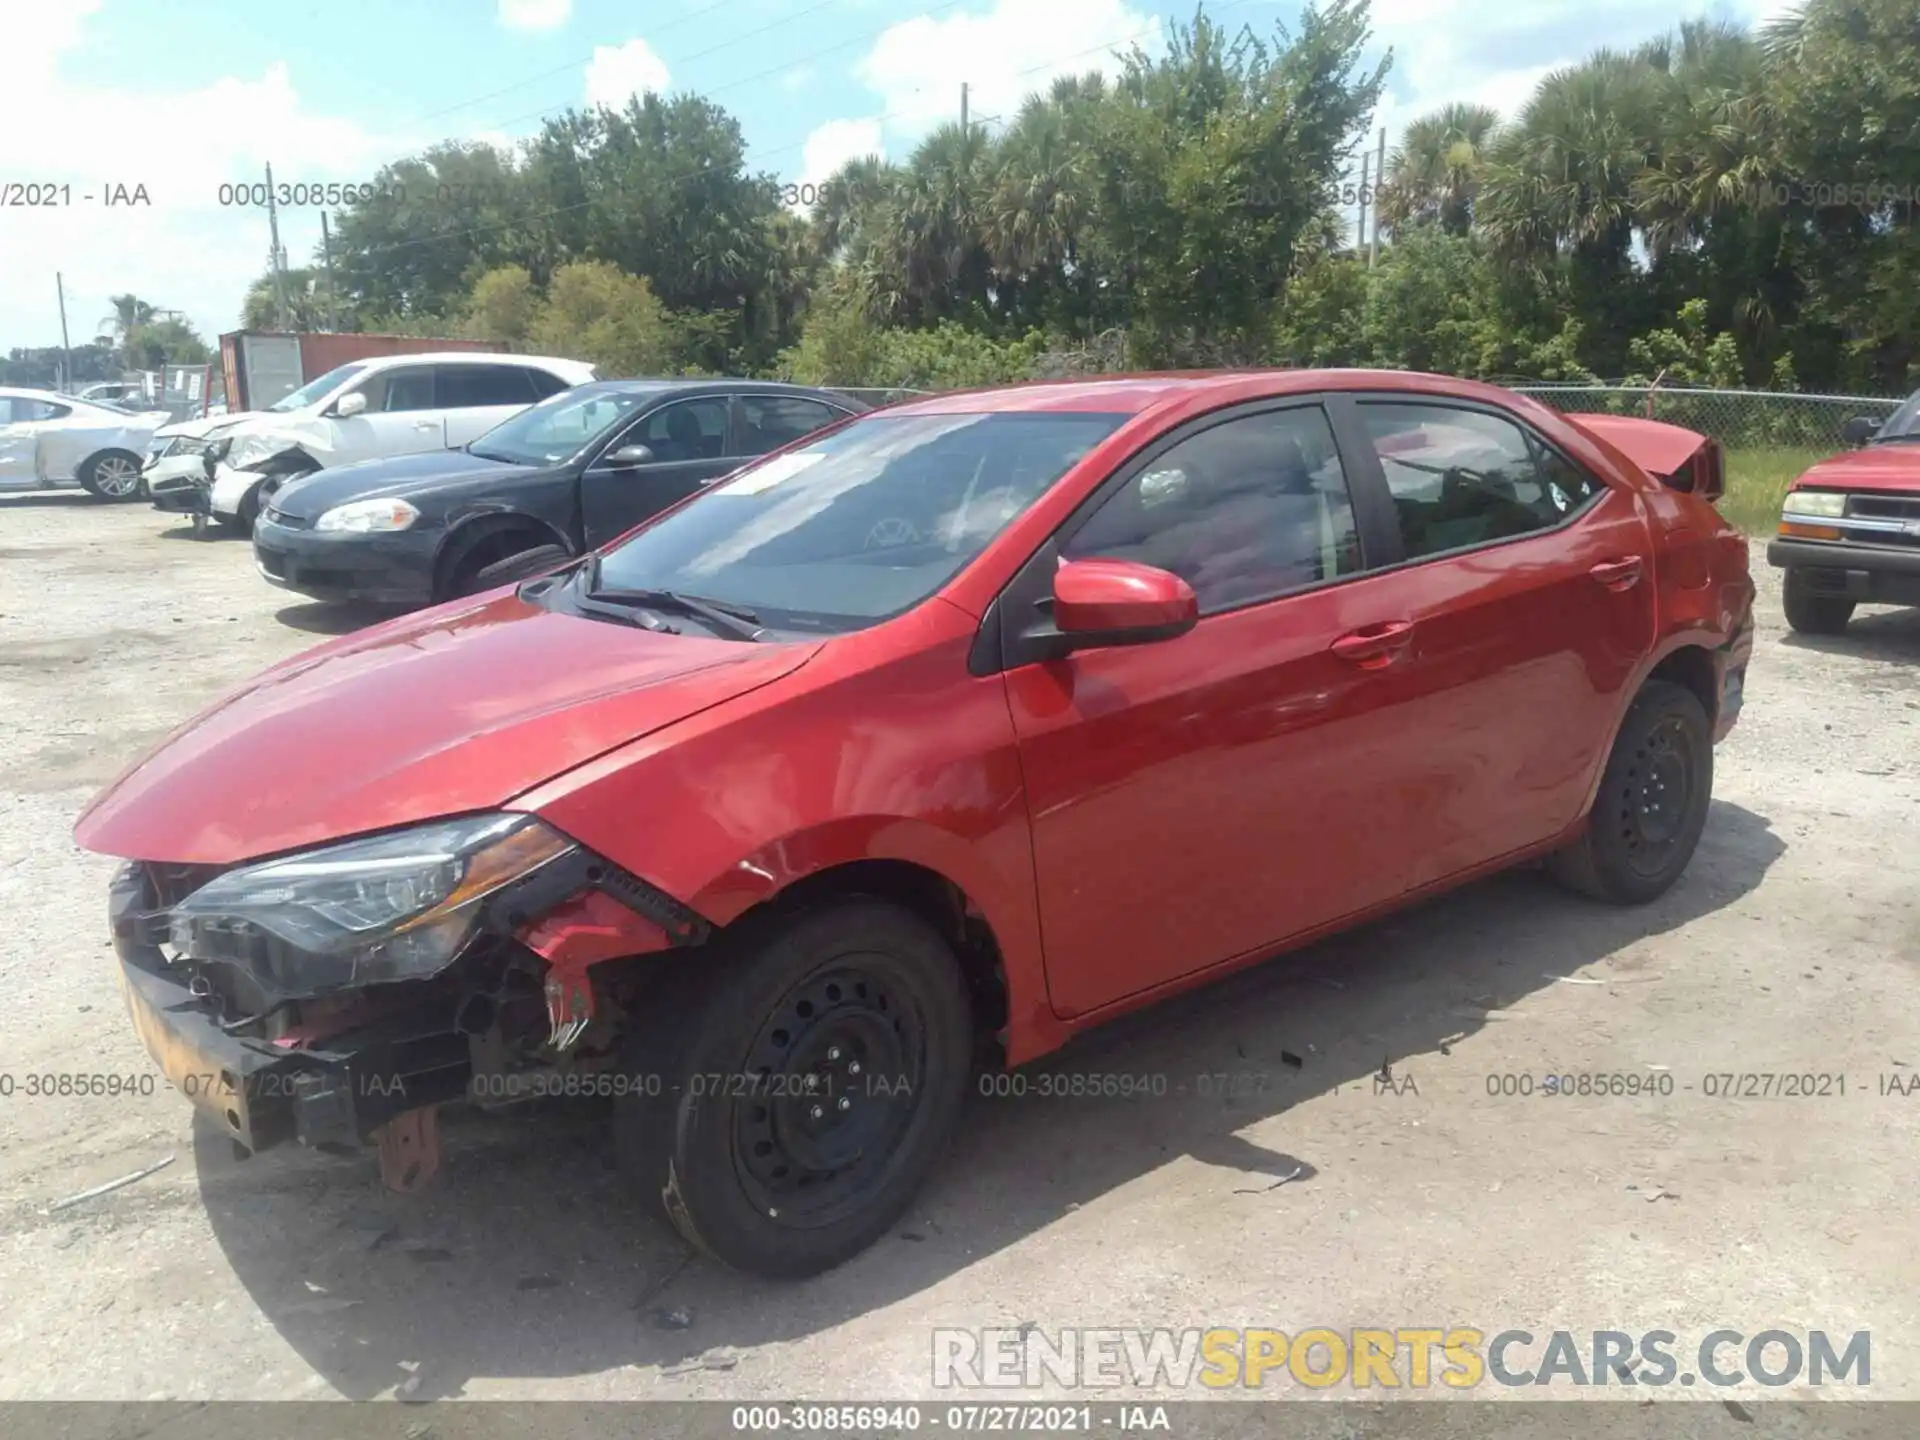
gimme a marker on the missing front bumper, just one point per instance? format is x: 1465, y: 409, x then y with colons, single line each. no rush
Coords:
x: 261, y: 1093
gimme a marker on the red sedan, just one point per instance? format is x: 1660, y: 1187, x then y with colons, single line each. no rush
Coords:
x: 953, y: 730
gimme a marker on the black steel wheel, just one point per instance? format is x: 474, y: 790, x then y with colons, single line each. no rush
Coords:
x: 811, y: 1080
x: 1652, y: 802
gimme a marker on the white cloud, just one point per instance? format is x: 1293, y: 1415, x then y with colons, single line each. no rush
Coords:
x: 1003, y: 54
x: 618, y: 72
x: 184, y: 250
x: 828, y: 147
x: 535, y: 14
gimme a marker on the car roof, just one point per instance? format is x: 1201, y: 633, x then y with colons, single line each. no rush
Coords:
x: 1136, y: 394
x: 698, y: 384
x: 23, y: 392
x: 558, y: 364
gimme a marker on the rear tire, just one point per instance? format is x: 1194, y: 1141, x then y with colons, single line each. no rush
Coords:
x: 1812, y: 614
x: 113, y: 476
x: 810, y: 1077
x: 1652, y: 803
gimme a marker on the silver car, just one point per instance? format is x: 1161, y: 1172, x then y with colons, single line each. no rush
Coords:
x: 48, y: 439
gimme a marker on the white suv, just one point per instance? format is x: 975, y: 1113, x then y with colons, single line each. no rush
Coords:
x: 364, y: 410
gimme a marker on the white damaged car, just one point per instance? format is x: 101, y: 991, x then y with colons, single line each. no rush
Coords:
x: 47, y: 439
x: 369, y: 409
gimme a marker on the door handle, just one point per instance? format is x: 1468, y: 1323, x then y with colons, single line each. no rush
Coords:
x: 1375, y: 646
x: 1618, y: 574
x: 425, y: 425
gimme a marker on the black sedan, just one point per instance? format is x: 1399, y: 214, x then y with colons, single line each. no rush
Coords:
x: 560, y: 478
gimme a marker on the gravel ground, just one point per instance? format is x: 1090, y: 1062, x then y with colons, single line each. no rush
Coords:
x: 1790, y: 946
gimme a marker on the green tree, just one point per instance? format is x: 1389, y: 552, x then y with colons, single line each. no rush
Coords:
x: 503, y: 307
x: 306, y: 301
x: 1434, y: 173
x: 594, y: 311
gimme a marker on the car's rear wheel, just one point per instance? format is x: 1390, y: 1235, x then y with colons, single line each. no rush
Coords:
x: 1813, y: 614
x: 1652, y: 804
x: 808, y: 1083
x: 112, y: 475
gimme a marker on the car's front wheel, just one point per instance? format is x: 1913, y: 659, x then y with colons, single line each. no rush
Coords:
x: 1813, y: 614
x: 1652, y: 804
x: 802, y: 1087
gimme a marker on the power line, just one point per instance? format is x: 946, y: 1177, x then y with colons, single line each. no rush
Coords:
x: 779, y: 69
x: 570, y: 65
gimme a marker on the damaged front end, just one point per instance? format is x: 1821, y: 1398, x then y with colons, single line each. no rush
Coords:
x: 340, y: 995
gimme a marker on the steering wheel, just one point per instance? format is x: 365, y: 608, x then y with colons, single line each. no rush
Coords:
x: 890, y: 532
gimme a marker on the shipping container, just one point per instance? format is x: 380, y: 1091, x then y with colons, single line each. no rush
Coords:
x: 262, y: 366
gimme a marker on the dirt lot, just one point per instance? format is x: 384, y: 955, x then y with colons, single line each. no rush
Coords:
x: 1791, y: 946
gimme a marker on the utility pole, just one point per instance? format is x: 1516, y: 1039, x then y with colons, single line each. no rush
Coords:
x: 1379, y: 179
x: 66, y: 346
x: 277, y: 258
x: 326, y: 264
x: 1360, y: 242
x: 963, y: 107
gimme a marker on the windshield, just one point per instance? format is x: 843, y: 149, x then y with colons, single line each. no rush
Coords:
x: 861, y: 524
x: 559, y: 427
x: 1904, y: 423
x: 314, y: 389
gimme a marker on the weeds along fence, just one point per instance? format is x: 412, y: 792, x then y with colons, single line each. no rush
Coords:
x: 1738, y: 419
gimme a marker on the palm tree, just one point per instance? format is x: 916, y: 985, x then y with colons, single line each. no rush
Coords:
x: 935, y: 226
x: 130, y: 312
x: 1720, y: 135
x: 1434, y: 173
x: 1564, y: 175
x: 850, y: 200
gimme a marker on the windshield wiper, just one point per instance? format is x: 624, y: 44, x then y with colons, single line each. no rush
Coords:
x: 627, y: 614
x: 735, y: 621
x: 728, y: 620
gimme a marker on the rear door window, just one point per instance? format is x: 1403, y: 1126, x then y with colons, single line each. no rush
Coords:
x: 476, y: 387
x: 1462, y: 477
x: 769, y: 421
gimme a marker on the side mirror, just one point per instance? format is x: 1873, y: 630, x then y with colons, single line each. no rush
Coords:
x: 627, y: 456
x: 1860, y: 429
x: 350, y: 405
x: 1100, y: 603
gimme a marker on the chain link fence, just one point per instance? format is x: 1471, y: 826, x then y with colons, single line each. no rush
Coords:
x: 1738, y: 419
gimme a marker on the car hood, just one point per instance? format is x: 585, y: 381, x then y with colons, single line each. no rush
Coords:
x: 1893, y: 467
x: 451, y: 710
x: 205, y: 426
x: 307, y: 497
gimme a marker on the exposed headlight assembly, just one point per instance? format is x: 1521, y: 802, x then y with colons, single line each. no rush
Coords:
x: 368, y: 517
x: 1825, y: 504
x: 390, y: 907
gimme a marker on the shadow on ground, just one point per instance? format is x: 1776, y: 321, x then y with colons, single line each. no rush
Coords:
x: 530, y: 1258
x: 75, y: 499
x: 1889, y: 636
x: 325, y: 618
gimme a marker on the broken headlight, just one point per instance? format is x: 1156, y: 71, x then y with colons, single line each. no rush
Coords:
x: 390, y: 907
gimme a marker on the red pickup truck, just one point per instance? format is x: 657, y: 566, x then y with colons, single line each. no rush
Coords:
x: 1850, y: 527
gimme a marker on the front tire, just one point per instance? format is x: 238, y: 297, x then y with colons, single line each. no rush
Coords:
x: 113, y: 476
x: 810, y: 1077
x: 1652, y: 803
x: 1812, y: 614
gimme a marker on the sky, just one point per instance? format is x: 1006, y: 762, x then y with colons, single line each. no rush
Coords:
x: 113, y: 98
